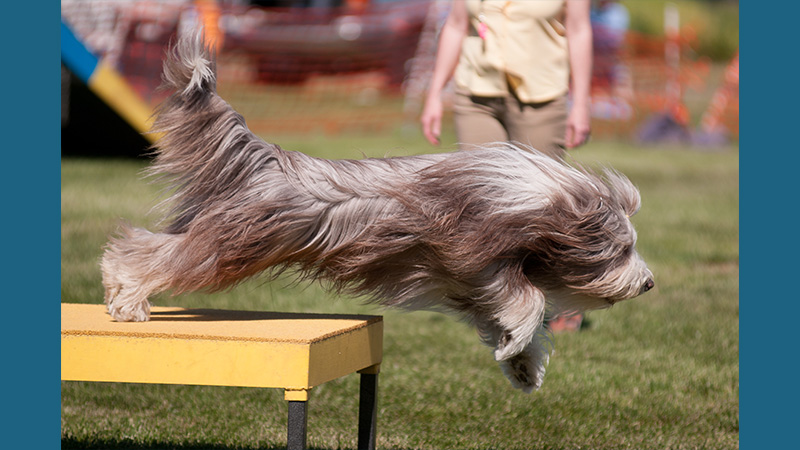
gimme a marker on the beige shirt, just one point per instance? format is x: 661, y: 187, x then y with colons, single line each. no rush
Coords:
x: 524, y: 45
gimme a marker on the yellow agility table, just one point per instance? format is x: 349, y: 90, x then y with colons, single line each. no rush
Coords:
x: 294, y: 352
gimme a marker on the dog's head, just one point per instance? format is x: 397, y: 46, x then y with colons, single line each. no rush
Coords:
x: 568, y: 227
x: 583, y: 247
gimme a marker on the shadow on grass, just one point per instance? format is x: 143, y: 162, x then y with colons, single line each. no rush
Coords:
x: 128, y: 444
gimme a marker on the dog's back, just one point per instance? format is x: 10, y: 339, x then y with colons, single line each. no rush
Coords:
x: 301, y: 211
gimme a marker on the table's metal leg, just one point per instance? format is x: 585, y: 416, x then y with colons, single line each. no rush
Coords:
x: 368, y: 409
x: 298, y: 424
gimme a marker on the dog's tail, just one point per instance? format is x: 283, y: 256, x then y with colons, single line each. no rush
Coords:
x: 205, y: 144
x: 190, y: 66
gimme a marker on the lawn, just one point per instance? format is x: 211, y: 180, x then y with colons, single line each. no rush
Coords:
x: 659, y: 371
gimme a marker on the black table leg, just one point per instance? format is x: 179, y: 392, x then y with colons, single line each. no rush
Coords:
x: 298, y: 423
x: 368, y: 410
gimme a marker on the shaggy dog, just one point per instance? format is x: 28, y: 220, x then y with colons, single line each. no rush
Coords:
x: 496, y: 235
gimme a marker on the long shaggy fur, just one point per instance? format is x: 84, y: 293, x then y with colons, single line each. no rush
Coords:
x: 499, y: 235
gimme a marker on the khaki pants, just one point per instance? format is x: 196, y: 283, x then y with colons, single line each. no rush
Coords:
x: 481, y: 120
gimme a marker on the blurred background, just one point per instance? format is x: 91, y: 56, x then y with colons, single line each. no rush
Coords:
x: 663, y: 71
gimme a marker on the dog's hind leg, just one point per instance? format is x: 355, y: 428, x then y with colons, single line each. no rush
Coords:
x: 135, y: 266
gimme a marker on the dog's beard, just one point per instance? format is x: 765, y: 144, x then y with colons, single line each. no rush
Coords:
x: 494, y: 235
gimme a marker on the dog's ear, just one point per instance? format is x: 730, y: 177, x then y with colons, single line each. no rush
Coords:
x: 623, y: 192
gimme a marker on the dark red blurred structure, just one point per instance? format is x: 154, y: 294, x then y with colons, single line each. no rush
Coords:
x: 291, y: 44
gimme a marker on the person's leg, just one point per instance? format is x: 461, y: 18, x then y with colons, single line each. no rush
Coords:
x: 543, y: 126
x: 477, y: 120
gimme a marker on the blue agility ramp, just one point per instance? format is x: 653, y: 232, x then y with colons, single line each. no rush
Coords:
x: 106, y: 83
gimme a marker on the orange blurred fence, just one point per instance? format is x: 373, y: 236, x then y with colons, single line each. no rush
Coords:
x: 364, y: 65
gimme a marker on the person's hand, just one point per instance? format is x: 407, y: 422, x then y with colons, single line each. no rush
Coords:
x: 578, y: 127
x: 431, y: 119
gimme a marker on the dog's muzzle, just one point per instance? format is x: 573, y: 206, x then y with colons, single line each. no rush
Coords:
x: 646, y: 286
x: 649, y: 284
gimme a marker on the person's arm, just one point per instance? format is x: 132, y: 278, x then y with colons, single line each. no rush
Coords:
x: 447, y: 56
x: 579, y: 38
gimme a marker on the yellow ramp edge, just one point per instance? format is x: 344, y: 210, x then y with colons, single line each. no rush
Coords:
x: 115, y: 92
x: 217, y: 347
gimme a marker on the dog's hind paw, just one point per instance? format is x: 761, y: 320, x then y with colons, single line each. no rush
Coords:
x: 125, y: 300
x: 123, y: 308
x: 129, y: 311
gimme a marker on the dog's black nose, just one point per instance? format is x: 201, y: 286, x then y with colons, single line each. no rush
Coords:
x: 649, y: 284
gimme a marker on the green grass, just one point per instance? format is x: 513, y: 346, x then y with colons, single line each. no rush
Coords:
x: 714, y: 23
x: 659, y: 371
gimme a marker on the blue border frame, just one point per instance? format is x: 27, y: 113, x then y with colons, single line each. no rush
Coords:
x: 31, y: 81
x: 769, y: 302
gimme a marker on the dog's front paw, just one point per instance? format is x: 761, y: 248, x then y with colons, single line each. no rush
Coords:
x: 526, y: 369
x: 523, y: 372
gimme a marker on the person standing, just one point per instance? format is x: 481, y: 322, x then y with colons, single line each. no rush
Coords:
x: 514, y: 64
